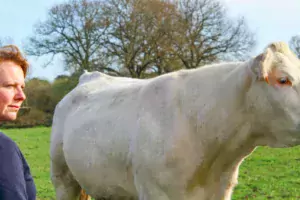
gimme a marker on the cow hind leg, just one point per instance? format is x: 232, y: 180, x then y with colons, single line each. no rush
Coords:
x: 148, y: 190
x: 66, y: 187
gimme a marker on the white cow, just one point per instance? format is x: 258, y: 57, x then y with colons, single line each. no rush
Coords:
x: 179, y: 136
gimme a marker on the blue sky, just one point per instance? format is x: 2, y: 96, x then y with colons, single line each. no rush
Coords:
x: 271, y: 20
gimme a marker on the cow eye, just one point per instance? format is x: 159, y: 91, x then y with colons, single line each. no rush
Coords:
x: 284, y: 81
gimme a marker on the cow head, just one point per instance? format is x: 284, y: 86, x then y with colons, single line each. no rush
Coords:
x: 273, y: 98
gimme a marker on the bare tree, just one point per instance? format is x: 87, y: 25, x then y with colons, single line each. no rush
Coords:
x: 137, y: 36
x: 295, y: 44
x: 141, y: 37
x: 74, y: 30
x: 204, y: 34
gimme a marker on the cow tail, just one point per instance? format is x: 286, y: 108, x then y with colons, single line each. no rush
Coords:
x: 84, y: 196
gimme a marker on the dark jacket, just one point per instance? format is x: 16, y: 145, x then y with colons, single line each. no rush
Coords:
x: 16, y: 182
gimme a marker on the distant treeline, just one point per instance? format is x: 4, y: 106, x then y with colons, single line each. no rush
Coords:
x: 135, y: 38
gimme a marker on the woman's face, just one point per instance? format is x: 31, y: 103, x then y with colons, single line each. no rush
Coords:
x: 12, y: 84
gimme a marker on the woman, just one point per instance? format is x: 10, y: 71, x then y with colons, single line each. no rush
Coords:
x: 16, y: 182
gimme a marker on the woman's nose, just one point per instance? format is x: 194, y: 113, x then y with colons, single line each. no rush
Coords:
x: 20, y: 95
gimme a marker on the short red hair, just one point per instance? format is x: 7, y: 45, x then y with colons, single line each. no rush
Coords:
x: 13, y: 54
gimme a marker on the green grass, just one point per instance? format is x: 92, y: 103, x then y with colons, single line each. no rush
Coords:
x: 266, y: 174
x: 270, y: 174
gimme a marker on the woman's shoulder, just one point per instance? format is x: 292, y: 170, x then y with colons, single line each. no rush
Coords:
x: 7, y: 143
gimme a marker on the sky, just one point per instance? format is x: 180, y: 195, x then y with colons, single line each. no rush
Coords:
x: 270, y: 20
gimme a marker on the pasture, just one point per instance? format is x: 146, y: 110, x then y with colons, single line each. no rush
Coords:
x: 266, y: 174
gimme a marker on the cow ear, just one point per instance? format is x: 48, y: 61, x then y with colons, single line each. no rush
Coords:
x: 261, y: 65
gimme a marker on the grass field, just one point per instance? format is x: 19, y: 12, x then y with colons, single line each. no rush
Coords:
x: 266, y: 174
